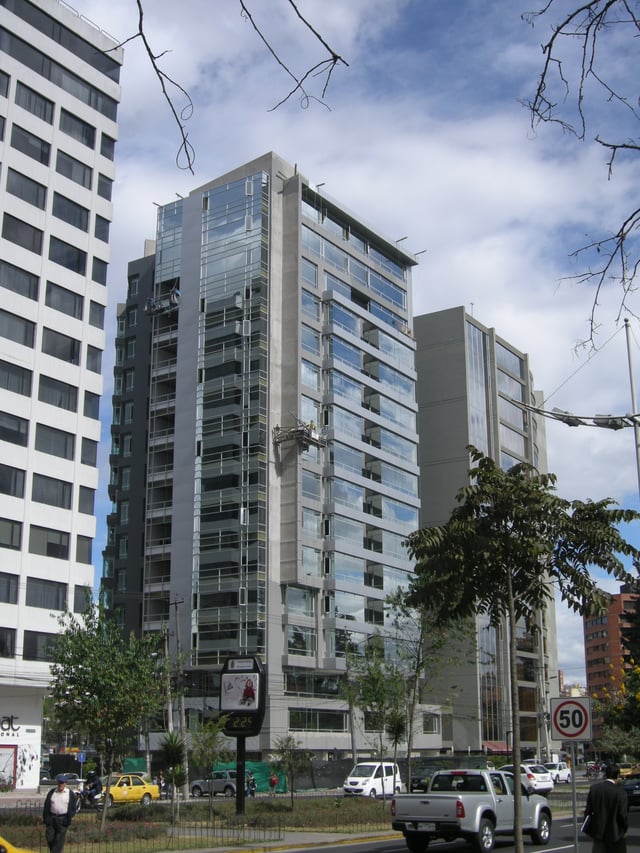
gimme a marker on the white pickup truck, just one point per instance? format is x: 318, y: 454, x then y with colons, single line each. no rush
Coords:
x: 473, y: 804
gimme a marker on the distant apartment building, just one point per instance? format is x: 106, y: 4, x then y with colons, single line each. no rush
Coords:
x: 59, y: 97
x: 606, y: 657
x: 473, y: 388
x: 264, y: 461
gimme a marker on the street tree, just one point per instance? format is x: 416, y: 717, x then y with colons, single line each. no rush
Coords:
x: 586, y: 90
x: 174, y: 752
x: 209, y: 747
x: 290, y: 758
x: 102, y: 683
x: 508, y: 542
x: 424, y: 650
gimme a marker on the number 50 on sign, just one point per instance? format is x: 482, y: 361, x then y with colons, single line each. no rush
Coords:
x: 571, y: 719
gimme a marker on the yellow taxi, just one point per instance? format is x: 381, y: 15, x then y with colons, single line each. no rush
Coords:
x: 627, y: 768
x: 131, y: 788
x: 7, y: 847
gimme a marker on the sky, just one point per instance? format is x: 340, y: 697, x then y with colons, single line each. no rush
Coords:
x: 424, y: 135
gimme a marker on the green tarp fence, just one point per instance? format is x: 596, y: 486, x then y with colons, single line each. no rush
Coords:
x: 261, y: 771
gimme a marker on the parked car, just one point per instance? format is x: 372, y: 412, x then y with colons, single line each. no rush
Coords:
x: 627, y: 768
x: 421, y: 775
x: 631, y: 785
x: 534, y: 777
x: 373, y: 778
x: 560, y: 771
x: 72, y: 779
x: 130, y: 788
x: 221, y: 782
x: 7, y: 847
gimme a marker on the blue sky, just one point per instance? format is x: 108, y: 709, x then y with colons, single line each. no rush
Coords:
x: 425, y: 138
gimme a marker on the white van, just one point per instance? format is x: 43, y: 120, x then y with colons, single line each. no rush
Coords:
x: 373, y: 778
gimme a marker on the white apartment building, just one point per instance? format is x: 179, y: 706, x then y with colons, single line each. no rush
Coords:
x: 59, y: 95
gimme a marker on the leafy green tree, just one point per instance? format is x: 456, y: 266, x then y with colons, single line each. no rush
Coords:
x: 210, y: 747
x: 616, y: 743
x: 424, y: 649
x: 173, y: 751
x: 290, y: 758
x: 506, y: 544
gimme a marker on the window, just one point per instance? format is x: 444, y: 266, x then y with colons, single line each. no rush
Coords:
x: 54, y: 441
x: 124, y: 512
x: 48, y: 490
x: 134, y: 284
x: 99, y: 271
x: 60, y: 346
x: 58, y: 393
x: 129, y: 380
x: 105, y: 186
x: 13, y: 429
x: 16, y: 329
x: 101, y: 231
x: 125, y: 479
x: 77, y: 128
x: 10, y: 534
x: 46, y: 594
x: 301, y: 640
x: 68, y: 256
x: 66, y: 301
x: 107, y: 146
x: 96, y: 315
x: 18, y: 280
x: 89, y: 452
x: 74, y: 169
x: 7, y: 642
x: 4, y: 84
x: 30, y: 144
x: 81, y: 597
x: 86, y: 500
x: 94, y: 359
x: 34, y: 103
x: 430, y: 724
x: 131, y: 348
x: 15, y: 378
x: 22, y: 234
x: 38, y: 646
x: 27, y: 189
x: 128, y: 412
x: 123, y: 547
x: 91, y: 405
x: 48, y: 542
x: 8, y: 588
x: 83, y: 549
x: 71, y: 212
x: 11, y: 481
x: 132, y: 317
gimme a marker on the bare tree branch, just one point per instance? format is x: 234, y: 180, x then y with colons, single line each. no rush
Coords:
x: 185, y: 158
x: 567, y: 84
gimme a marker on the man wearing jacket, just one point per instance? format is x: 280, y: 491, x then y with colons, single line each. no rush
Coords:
x: 58, y: 812
x: 608, y: 808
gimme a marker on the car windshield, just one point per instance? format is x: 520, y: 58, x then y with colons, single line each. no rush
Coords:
x: 363, y: 770
x: 537, y: 768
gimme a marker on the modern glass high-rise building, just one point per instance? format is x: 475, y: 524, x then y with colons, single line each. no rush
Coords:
x: 59, y: 96
x: 266, y: 349
x: 473, y: 389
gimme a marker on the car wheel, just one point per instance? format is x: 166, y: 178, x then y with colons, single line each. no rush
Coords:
x: 109, y: 801
x: 398, y: 789
x: 372, y: 793
x: 229, y: 791
x: 196, y: 791
x: 416, y: 842
x: 556, y: 780
x: 485, y: 838
x: 146, y: 800
x: 542, y: 833
x: 568, y: 778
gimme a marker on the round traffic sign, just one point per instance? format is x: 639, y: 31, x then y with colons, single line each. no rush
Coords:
x: 571, y: 719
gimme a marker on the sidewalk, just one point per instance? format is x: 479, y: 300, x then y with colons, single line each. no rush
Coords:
x: 293, y: 841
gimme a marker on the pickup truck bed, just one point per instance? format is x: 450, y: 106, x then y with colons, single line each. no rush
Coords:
x: 476, y: 805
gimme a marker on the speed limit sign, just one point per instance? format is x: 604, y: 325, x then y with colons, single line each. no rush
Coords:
x: 571, y: 719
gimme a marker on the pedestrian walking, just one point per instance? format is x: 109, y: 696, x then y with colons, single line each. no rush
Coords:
x: 273, y: 783
x: 59, y: 809
x: 607, y: 813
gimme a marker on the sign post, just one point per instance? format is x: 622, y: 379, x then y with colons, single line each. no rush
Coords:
x: 242, y: 701
x: 571, y: 721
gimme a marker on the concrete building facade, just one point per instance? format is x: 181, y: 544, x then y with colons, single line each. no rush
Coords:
x: 59, y: 96
x: 262, y: 509
x: 470, y: 385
